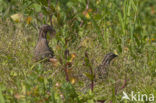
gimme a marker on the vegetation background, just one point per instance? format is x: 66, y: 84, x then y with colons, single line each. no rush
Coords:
x: 126, y: 27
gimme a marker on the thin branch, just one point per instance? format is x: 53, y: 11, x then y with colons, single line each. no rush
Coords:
x: 50, y: 16
x: 91, y: 71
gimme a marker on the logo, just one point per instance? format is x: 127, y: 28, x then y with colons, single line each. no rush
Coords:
x: 137, y: 96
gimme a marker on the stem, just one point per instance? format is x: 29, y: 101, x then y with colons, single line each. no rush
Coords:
x: 50, y: 16
x: 66, y: 73
x: 66, y: 55
x: 91, y: 71
x: 92, y: 80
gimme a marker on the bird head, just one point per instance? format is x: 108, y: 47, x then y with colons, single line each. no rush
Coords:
x: 108, y: 58
x: 47, y: 28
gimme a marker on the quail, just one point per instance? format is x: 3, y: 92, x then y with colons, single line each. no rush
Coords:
x: 42, y: 49
x: 102, y: 70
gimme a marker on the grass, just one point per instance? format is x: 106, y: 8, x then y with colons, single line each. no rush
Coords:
x: 126, y: 27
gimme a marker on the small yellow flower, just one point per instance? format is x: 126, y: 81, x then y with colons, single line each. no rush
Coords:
x: 29, y: 19
x: 126, y: 49
x: 90, y: 10
x: 153, y: 39
x: 87, y: 16
x: 73, y: 80
x: 86, y: 13
x: 73, y: 55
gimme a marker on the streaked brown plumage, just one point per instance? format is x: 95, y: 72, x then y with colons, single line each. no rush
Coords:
x: 102, y: 70
x: 42, y: 49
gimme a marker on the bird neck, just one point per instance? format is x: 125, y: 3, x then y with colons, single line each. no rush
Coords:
x: 42, y: 35
x: 106, y: 61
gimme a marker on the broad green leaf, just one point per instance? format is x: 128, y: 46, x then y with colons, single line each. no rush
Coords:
x: 37, y: 7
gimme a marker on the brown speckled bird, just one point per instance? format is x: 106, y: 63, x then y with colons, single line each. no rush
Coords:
x: 42, y: 50
x: 102, y: 70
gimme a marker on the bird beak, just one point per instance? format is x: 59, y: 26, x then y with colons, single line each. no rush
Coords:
x: 116, y: 55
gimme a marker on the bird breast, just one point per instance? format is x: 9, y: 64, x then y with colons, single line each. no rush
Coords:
x: 42, y: 49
